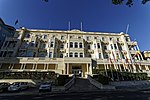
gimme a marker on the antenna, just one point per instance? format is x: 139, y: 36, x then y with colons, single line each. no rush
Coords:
x: 69, y: 25
x: 127, y: 29
x: 81, y: 26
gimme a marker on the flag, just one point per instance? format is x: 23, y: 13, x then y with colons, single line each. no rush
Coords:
x: 137, y: 53
x: 127, y: 60
x: 16, y: 22
x: 110, y: 61
x: 45, y: 0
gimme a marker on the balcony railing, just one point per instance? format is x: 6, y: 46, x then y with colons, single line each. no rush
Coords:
x: 132, y: 43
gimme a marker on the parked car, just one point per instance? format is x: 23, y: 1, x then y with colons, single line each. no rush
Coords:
x: 18, y: 86
x: 45, y: 87
x: 4, y: 86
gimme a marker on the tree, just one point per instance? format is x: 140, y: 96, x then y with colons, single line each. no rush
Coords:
x: 128, y: 2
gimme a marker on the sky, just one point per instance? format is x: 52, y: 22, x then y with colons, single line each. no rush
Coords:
x: 96, y: 16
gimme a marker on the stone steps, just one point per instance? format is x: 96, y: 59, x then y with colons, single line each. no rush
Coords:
x: 82, y: 85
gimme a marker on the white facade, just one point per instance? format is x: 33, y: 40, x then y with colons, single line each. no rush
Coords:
x: 70, y: 52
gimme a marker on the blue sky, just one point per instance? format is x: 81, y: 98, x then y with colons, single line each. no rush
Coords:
x: 96, y: 15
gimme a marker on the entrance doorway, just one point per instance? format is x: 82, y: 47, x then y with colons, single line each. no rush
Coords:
x: 77, y: 71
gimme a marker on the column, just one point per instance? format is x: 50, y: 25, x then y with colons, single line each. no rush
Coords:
x: 12, y: 66
x: 44, y: 66
x: 87, y: 66
x: 90, y: 69
x: 22, y: 66
x: 67, y: 68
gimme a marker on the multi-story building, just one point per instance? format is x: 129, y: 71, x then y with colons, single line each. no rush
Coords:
x: 5, y: 31
x: 70, y: 52
x: 146, y: 54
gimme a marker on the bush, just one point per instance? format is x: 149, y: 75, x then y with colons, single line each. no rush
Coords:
x: 62, y: 79
x: 102, y: 79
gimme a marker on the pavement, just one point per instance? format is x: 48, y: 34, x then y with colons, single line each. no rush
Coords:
x: 97, y: 95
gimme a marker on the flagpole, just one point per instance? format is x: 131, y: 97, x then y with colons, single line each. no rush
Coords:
x: 81, y: 26
x: 127, y: 29
x: 69, y: 25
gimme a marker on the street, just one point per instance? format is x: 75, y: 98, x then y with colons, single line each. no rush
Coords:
x: 100, y: 95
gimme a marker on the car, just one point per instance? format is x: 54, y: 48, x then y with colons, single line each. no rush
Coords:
x: 4, y: 86
x: 18, y: 86
x: 45, y: 87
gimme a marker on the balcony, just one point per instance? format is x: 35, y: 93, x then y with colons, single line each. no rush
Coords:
x: 105, y: 42
x: 121, y: 42
x: 89, y: 42
x: 90, y: 51
x: 132, y: 43
x: 133, y: 51
x: 62, y: 50
x: 77, y: 60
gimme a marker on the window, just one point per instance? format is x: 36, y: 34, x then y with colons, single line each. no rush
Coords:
x: 80, y: 45
x: 95, y: 37
x: 81, y: 54
x: 98, y: 45
x: 117, y: 39
x: 50, y: 55
x: 94, y: 45
x: 89, y: 47
x: 32, y: 44
x: 55, y: 55
x: 100, y: 56
x: 88, y: 38
x: 110, y: 39
x: 45, y: 36
x: 52, y: 44
x: 76, y: 54
x: 79, y: 37
x: 71, y: 45
x: 29, y: 54
x: 76, y: 45
x: 106, y: 56
x: 44, y: 45
x: 27, y: 35
x: 61, y: 55
x: 67, y: 45
x: 62, y: 46
x: 70, y: 37
x: 62, y: 37
x: 70, y: 54
x: 105, y: 47
x: 67, y: 55
x: 111, y: 46
x: 117, y: 56
x: 103, y: 38
x: 115, y: 46
x: 127, y: 39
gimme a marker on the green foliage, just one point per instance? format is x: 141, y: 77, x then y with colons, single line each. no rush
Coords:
x: 128, y: 2
x: 102, y: 79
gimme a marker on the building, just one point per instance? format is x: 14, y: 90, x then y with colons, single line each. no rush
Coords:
x: 70, y: 52
x: 146, y: 55
x: 5, y: 31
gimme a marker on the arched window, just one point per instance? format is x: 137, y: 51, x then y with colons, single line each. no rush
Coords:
x: 80, y: 45
x: 71, y: 45
x: 81, y: 54
x: 76, y: 54
x: 76, y: 45
x: 70, y: 54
